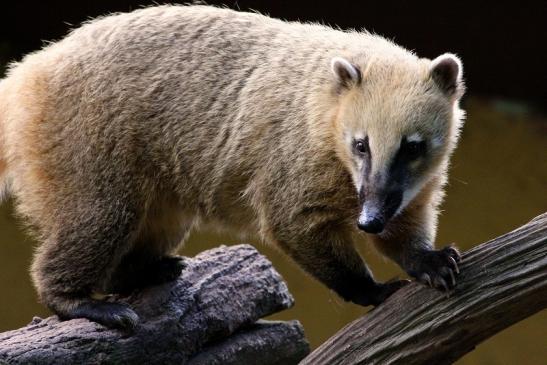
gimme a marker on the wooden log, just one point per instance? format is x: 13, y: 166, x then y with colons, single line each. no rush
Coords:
x: 248, y: 347
x: 502, y: 282
x: 208, y: 315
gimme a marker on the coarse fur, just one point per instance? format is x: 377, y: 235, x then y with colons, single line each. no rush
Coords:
x: 120, y: 138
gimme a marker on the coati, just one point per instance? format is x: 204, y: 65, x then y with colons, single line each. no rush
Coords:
x: 119, y: 139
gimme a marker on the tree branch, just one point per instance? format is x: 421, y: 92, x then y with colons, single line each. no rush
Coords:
x: 502, y: 282
x: 207, y: 316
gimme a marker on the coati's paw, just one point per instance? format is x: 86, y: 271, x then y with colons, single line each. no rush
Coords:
x: 437, y: 268
x: 166, y: 269
x: 111, y: 315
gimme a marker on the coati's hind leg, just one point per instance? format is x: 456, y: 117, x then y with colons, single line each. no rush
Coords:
x: 152, y: 260
x: 140, y: 269
x: 79, y: 255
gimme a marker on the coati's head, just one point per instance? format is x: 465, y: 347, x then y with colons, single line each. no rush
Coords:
x: 397, y: 122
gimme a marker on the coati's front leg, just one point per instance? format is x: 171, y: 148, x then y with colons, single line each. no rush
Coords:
x: 328, y: 254
x: 417, y: 256
x: 408, y: 240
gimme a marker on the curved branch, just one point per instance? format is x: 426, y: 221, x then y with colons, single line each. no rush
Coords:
x: 502, y: 282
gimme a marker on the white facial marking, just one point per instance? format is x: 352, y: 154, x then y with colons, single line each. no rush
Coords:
x: 437, y: 142
x: 415, y: 137
x: 348, y: 138
x: 408, y: 195
x: 363, y: 217
x: 358, y: 178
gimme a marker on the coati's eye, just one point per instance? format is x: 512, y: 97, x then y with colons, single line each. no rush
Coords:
x: 361, y: 146
x: 413, y: 149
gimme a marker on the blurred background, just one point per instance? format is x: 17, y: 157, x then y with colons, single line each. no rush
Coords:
x: 498, y: 178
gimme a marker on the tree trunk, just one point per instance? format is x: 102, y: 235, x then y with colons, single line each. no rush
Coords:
x: 502, y: 282
x: 208, y: 316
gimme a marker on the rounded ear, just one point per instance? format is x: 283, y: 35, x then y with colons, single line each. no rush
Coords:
x: 346, y: 73
x: 446, y: 70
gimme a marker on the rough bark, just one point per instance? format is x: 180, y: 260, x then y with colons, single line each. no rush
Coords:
x: 502, y: 282
x: 208, y: 316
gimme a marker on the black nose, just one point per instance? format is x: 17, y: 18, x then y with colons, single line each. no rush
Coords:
x: 374, y: 225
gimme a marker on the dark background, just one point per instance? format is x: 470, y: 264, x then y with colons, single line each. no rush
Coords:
x: 498, y: 175
x: 503, y: 44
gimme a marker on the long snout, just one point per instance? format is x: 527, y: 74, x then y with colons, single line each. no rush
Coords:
x: 371, y: 219
x: 377, y: 210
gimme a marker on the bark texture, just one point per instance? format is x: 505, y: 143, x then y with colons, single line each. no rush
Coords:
x: 208, y: 316
x: 502, y: 282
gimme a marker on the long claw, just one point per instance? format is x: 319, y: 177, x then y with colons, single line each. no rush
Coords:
x: 426, y: 278
x: 452, y: 277
x: 455, y: 253
x: 440, y: 282
x: 454, y: 264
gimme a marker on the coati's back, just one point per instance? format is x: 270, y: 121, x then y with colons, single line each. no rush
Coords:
x: 130, y: 97
x: 183, y: 99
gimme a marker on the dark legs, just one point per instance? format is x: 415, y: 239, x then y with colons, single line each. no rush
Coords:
x: 140, y: 269
x: 331, y: 258
x: 78, y: 258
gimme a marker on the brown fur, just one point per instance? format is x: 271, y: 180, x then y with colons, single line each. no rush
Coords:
x: 137, y: 127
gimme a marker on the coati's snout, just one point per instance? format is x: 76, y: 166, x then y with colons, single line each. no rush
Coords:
x: 377, y: 209
x: 381, y: 189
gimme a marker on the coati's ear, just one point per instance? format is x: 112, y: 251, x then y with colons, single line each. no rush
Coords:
x: 446, y: 70
x: 346, y: 73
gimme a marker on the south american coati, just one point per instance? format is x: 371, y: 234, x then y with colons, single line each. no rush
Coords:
x: 119, y: 139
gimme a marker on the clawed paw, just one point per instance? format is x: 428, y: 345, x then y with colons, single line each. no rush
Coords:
x: 109, y: 314
x: 438, y: 268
